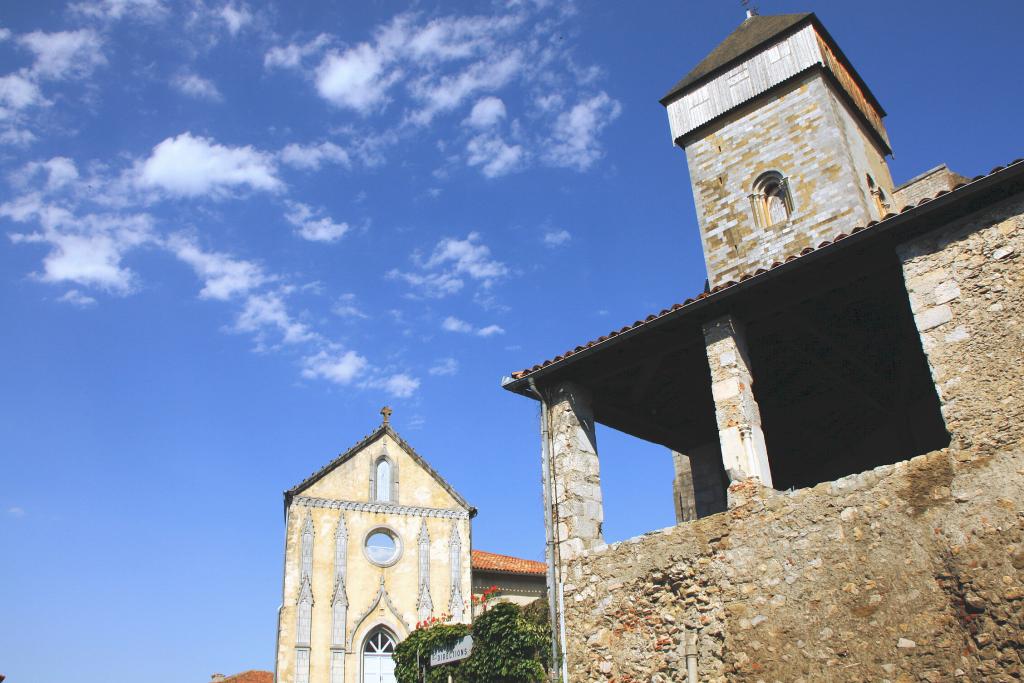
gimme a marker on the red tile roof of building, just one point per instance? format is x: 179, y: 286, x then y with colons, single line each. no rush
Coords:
x: 252, y: 676
x: 746, y: 276
x: 493, y: 562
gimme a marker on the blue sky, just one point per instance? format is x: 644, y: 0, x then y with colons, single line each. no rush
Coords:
x: 233, y: 231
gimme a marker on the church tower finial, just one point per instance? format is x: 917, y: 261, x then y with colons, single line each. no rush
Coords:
x: 385, y: 412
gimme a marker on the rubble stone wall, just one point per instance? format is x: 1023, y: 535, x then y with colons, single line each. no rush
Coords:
x: 966, y: 286
x: 908, y: 572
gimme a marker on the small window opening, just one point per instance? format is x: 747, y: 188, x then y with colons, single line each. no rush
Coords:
x: 382, y: 487
x: 878, y: 195
x: 771, y: 200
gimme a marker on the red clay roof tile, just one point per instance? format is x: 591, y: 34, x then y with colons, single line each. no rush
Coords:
x: 485, y: 561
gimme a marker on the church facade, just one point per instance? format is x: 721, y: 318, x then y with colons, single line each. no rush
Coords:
x: 376, y: 542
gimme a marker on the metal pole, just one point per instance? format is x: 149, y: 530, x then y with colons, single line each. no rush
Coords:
x: 549, y: 528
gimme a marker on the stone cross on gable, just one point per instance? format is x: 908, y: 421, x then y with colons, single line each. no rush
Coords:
x: 386, y: 414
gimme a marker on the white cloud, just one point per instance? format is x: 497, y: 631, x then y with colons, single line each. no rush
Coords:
x: 573, y: 142
x: 5, y: 34
x: 290, y: 56
x: 449, y: 91
x: 452, y: 324
x: 236, y: 17
x: 64, y: 54
x: 15, y: 511
x: 311, y: 226
x: 451, y: 260
x: 338, y: 368
x: 196, y: 86
x: 60, y: 171
x: 223, y: 276
x: 430, y: 285
x: 556, y: 238
x: 355, y: 79
x: 494, y: 157
x: 468, y: 257
x: 268, y: 310
x: 190, y: 166
x: 76, y: 298
x: 444, y: 367
x: 311, y: 157
x: 346, y: 307
x: 86, y: 250
x: 490, y: 331
x: 18, y: 92
x: 116, y: 9
x: 486, y: 112
x: 399, y: 385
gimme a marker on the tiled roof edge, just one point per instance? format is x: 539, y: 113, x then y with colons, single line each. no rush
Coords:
x: 523, y: 374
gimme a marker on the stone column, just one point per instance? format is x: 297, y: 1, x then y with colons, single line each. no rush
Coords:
x: 744, y: 453
x: 682, y: 486
x: 578, y: 512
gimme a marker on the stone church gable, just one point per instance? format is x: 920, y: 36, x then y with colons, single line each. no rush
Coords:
x: 349, y: 476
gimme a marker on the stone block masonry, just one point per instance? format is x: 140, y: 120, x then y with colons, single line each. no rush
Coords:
x: 807, y: 135
x: 966, y: 286
x: 578, y: 510
x: 744, y: 453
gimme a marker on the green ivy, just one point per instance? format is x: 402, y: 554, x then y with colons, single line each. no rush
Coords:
x: 412, y: 655
x: 508, y: 647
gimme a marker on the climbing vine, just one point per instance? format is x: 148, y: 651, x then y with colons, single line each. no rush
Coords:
x: 508, y: 647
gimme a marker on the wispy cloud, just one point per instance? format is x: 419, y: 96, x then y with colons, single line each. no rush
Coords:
x: 556, y: 238
x: 453, y: 324
x: 196, y: 86
x: 451, y: 262
x: 444, y: 367
x: 311, y: 225
x: 15, y: 511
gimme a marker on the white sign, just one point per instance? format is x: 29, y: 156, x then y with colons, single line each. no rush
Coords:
x: 460, y: 650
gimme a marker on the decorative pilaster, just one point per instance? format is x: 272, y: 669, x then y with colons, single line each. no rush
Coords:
x: 424, y: 605
x: 457, y: 605
x: 339, y: 602
x: 304, y: 603
x: 578, y: 511
x: 744, y: 453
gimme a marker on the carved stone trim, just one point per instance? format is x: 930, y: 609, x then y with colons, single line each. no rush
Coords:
x: 339, y: 601
x: 384, y: 508
x: 424, y: 605
x: 382, y: 594
x: 457, y: 605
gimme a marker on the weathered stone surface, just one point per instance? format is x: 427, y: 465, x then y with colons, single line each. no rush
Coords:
x: 576, y: 470
x: 913, y: 582
x: 967, y: 285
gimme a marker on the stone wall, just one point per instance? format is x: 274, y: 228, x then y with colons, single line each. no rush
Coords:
x: 925, y: 185
x: 966, y: 285
x: 909, y: 572
x: 807, y: 135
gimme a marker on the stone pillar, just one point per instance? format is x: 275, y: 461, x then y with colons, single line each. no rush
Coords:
x: 744, y: 453
x: 682, y: 487
x: 578, y: 512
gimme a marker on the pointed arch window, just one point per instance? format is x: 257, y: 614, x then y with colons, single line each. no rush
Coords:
x: 384, y: 480
x: 771, y: 200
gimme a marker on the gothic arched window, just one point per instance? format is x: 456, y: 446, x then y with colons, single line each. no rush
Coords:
x: 383, y: 478
x: 771, y: 200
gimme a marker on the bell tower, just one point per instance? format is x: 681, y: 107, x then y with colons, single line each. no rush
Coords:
x: 784, y: 142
